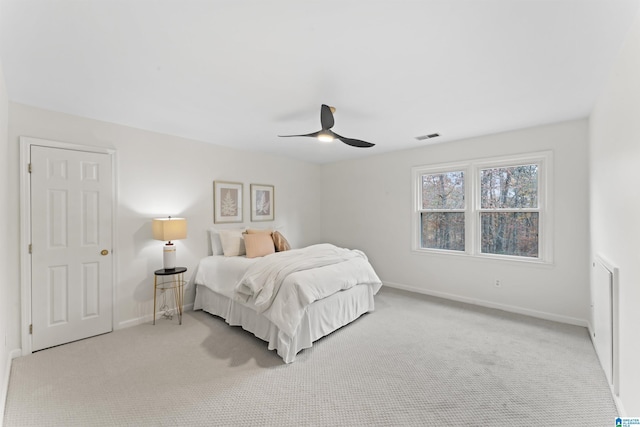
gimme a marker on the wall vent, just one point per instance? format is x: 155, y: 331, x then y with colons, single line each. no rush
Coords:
x: 431, y: 135
x: 605, y: 318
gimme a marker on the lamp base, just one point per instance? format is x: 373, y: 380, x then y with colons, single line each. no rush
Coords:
x: 169, y: 256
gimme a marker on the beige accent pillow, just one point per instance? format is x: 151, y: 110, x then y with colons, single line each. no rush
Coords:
x: 258, y: 231
x: 232, y: 242
x: 258, y: 244
x: 280, y: 242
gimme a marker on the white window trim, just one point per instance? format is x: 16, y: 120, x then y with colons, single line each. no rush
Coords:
x: 544, y: 160
x: 417, y: 173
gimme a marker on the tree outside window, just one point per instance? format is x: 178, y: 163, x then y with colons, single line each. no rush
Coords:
x: 443, y: 217
x: 509, y: 213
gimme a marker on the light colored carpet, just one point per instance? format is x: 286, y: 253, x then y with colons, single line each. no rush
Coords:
x: 416, y: 360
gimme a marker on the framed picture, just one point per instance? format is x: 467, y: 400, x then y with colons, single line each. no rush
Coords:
x: 227, y: 202
x: 262, y: 202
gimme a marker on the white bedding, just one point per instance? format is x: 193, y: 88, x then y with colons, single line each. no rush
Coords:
x: 283, y: 287
x: 283, y: 284
x: 220, y: 273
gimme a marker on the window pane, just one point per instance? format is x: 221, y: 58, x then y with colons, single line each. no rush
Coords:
x: 443, y: 230
x: 443, y: 190
x: 510, y: 187
x: 510, y: 233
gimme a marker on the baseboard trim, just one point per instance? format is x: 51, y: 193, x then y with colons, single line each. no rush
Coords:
x: 5, y: 384
x: 621, y: 412
x: 147, y: 318
x: 483, y: 303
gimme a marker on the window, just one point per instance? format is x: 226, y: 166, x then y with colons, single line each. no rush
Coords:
x: 495, y: 207
x: 443, y: 211
x: 509, y: 210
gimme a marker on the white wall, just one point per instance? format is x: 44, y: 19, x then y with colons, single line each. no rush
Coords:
x: 367, y: 203
x: 161, y: 175
x: 615, y: 201
x: 4, y: 229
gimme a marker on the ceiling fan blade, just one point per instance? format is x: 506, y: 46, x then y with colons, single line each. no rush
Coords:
x: 354, y: 142
x: 327, y: 135
x: 314, y: 134
x: 326, y: 117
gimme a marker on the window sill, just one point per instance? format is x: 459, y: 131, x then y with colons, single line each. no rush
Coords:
x: 504, y: 259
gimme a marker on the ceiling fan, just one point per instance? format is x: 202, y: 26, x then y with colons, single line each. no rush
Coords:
x: 327, y: 135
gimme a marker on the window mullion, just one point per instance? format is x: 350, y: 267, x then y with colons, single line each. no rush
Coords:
x: 507, y: 210
x: 471, y: 207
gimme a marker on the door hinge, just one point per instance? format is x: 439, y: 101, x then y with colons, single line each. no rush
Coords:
x: 30, y: 248
x: 29, y: 169
x: 31, y: 329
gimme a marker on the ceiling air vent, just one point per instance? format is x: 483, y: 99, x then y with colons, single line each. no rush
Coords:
x: 431, y: 135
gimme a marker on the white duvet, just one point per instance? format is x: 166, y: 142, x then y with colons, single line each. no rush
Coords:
x: 283, y: 284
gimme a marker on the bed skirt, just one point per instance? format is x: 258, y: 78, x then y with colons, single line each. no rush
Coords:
x: 320, y: 319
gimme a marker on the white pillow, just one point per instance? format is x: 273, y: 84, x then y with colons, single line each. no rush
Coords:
x: 214, y: 240
x: 232, y: 242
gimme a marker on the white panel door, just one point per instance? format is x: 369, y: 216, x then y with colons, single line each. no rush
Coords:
x: 71, y: 262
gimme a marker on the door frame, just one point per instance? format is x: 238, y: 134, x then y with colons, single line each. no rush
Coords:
x: 25, y: 228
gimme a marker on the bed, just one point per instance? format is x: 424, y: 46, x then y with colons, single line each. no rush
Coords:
x: 288, y: 298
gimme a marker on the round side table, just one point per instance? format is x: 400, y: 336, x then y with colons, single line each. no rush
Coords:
x: 175, y: 281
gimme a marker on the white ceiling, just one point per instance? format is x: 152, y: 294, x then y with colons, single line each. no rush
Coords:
x: 239, y: 73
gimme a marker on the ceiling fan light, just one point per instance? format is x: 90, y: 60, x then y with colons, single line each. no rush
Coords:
x: 325, y: 137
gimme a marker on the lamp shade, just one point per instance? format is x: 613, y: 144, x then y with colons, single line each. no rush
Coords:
x: 169, y: 229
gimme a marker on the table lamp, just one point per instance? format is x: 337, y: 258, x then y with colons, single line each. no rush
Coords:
x: 169, y: 229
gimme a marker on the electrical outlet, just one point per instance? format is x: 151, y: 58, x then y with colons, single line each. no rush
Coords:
x: 497, y: 284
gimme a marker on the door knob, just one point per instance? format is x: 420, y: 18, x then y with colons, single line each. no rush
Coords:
x: 104, y: 252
